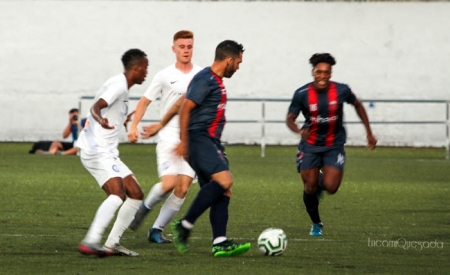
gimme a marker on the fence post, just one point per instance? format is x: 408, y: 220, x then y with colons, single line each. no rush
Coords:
x: 263, y: 129
x: 447, y: 141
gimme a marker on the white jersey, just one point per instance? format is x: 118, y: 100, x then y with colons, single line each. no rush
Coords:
x: 94, y: 139
x: 169, y: 84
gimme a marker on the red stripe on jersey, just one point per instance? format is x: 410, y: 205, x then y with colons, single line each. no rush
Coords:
x: 313, y: 103
x: 332, y: 114
x: 220, y: 109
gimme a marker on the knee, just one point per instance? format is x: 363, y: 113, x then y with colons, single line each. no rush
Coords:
x: 310, y: 188
x: 226, y: 184
x: 136, y: 195
x: 332, y: 188
x: 180, y: 191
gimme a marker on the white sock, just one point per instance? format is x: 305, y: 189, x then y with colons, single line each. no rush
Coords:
x: 105, y: 213
x: 168, y: 211
x: 124, y: 218
x: 219, y: 240
x: 187, y: 224
x: 155, y: 195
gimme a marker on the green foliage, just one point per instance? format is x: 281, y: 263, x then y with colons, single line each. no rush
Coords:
x: 388, y: 195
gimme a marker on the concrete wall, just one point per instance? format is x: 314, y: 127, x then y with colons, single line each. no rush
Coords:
x: 53, y: 52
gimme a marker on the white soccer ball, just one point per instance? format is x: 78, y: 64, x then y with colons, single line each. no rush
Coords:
x: 272, y: 242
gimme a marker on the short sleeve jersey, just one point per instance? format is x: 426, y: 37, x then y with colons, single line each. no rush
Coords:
x: 169, y: 84
x: 323, y: 112
x: 94, y: 139
x: 208, y: 92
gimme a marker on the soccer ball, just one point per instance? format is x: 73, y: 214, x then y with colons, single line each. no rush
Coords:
x: 272, y: 242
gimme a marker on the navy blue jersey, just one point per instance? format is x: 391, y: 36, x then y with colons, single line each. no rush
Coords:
x: 208, y: 92
x: 323, y: 112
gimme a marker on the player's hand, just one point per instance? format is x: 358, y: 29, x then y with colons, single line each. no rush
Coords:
x: 105, y: 124
x: 182, y: 150
x: 133, y: 135
x: 371, y: 142
x: 304, y: 133
x: 151, y: 130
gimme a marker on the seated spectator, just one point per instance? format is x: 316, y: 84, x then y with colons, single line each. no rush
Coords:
x: 66, y: 148
x: 61, y: 147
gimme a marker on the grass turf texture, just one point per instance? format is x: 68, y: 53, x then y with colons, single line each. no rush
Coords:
x: 388, y: 195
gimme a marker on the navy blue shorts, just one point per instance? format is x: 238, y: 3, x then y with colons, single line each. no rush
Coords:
x: 334, y: 157
x: 206, y: 156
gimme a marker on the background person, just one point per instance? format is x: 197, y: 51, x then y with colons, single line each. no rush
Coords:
x: 61, y: 147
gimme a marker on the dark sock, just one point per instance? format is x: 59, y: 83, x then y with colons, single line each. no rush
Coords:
x: 320, y: 187
x: 207, y: 196
x: 312, y: 206
x: 218, y: 216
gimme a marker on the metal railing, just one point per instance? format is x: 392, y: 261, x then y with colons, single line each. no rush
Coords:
x: 263, y: 121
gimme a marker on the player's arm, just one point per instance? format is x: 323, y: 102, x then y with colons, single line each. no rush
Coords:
x: 153, y: 129
x: 185, y: 114
x: 361, y: 111
x: 291, y: 122
x: 68, y: 129
x: 141, y: 108
x: 97, y: 114
x: 128, y: 119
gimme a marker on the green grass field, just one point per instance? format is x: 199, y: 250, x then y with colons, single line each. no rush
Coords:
x: 388, y: 195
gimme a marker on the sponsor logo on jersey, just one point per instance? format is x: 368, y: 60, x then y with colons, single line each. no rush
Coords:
x: 323, y: 120
x: 333, y: 105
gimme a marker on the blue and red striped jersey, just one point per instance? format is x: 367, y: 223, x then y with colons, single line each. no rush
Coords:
x: 208, y: 92
x: 323, y: 112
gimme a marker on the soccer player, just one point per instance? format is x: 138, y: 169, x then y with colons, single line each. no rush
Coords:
x: 98, y: 143
x: 202, y: 118
x: 175, y: 173
x: 321, y: 154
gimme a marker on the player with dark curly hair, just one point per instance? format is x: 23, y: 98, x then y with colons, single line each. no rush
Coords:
x: 99, y: 154
x: 321, y: 154
x: 202, y: 120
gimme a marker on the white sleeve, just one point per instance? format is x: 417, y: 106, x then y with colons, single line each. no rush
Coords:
x: 155, y: 88
x: 114, y: 91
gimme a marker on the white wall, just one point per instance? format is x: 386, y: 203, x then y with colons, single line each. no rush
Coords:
x: 53, y: 52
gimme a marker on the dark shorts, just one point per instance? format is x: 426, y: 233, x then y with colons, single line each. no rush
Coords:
x: 334, y: 157
x: 45, y: 145
x: 67, y: 145
x: 206, y: 156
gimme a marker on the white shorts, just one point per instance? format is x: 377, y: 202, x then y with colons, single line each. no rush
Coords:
x: 169, y: 163
x: 104, y: 167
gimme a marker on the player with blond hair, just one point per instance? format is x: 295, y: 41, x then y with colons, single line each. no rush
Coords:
x: 170, y: 84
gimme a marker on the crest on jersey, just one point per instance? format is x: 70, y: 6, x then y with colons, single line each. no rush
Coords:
x: 333, y: 105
